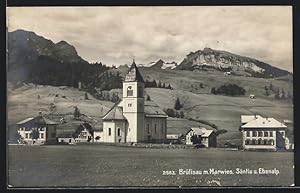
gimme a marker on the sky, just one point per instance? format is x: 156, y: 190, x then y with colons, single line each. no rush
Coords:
x: 114, y: 35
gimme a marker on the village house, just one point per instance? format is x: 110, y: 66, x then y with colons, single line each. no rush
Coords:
x: 206, y: 137
x: 37, y: 130
x: 263, y: 133
x: 134, y: 119
x: 75, y: 132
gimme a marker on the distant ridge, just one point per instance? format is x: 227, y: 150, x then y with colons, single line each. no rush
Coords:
x: 210, y: 59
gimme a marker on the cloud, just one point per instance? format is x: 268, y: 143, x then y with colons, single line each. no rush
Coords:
x: 114, y: 35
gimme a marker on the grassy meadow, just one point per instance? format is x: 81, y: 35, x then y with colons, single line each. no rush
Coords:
x: 102, y: 165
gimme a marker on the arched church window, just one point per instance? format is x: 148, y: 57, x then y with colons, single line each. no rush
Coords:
x: 109, y: 131
x: 129, y: 91
x: 119, y: 132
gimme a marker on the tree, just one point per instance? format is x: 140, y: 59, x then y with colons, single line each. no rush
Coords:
x: 196, y: 139
x: 170, y: 112
x: 163, y: 85
x: 178, y: 104
x: 86, y: 97
x: 201, y: 85
x: 148, y: 98
x: 277, y: 94
x: 159, y: 84
x: 267, y: 91
x: 169, y: 87
x: 213, y: 90
x: 76, y: 112
x: 177, y: 114
x: 289, y: 95
x: 154, y: 83
x: 181, y: 114
x: 283, y: 94
x: 271, y: 87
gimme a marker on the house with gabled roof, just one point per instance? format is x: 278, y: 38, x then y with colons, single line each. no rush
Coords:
x: 37, y: 130
x: 207, y: 137
x: 263, y: 133
x: 75, y: 131
x: 134, y: 119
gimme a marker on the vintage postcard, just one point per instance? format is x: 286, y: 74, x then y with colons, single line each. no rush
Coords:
x: 150, y: 96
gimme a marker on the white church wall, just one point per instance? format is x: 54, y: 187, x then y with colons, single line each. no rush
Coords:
x: 108, y: 137
x: 122, y: 126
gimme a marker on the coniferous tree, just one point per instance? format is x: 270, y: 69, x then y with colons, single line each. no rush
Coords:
x: 148, y: 98
x: 271, y: 87
x: 277, y: 94
x: 159, y: 84
x: 178, y: 104
x: 213, y: 90
x: 76, y: 112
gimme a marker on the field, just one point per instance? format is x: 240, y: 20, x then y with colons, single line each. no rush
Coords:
x: 102, y: 165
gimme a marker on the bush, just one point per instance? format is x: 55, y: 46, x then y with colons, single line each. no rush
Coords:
x: 229, y: 90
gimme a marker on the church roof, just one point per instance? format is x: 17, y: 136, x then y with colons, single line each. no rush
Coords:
x: 260, y: 122
x: 153, y: 110
x: 115, y: 113
x: 134, y: 74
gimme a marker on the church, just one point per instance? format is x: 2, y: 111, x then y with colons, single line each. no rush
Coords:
x: 134, y: 120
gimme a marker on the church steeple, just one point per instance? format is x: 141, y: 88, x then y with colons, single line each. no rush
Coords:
x: 134, y: 74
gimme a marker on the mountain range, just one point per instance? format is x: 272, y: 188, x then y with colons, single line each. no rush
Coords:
x: 27, y: 51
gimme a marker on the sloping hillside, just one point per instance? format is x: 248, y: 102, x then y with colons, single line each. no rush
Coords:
x: 190, y: 81
x: 222, y: 111
x: 29, y: 99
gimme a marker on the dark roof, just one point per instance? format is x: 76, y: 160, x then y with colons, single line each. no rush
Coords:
x: 70, y: 125
x: 115, y: 113
x: 38, y: 120
x: 134, y: 74
x: 72, y: 128
x: 153, y: 110
x: 65, y: 134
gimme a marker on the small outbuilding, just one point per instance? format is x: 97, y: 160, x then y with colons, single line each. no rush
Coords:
x: 206, y: 137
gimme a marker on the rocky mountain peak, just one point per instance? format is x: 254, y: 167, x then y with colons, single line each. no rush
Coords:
x: 210, y: 59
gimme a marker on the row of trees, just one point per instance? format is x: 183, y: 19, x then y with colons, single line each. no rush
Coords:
x: 174, y: 113
x: 229, y: 89
x: 280, y: 94
x: 156, y: 84
x: 106, y: 96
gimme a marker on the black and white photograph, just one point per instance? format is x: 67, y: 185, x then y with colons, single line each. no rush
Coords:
x: 150, y: 96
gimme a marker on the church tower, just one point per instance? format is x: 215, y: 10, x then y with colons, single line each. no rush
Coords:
x: 133, y: 104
